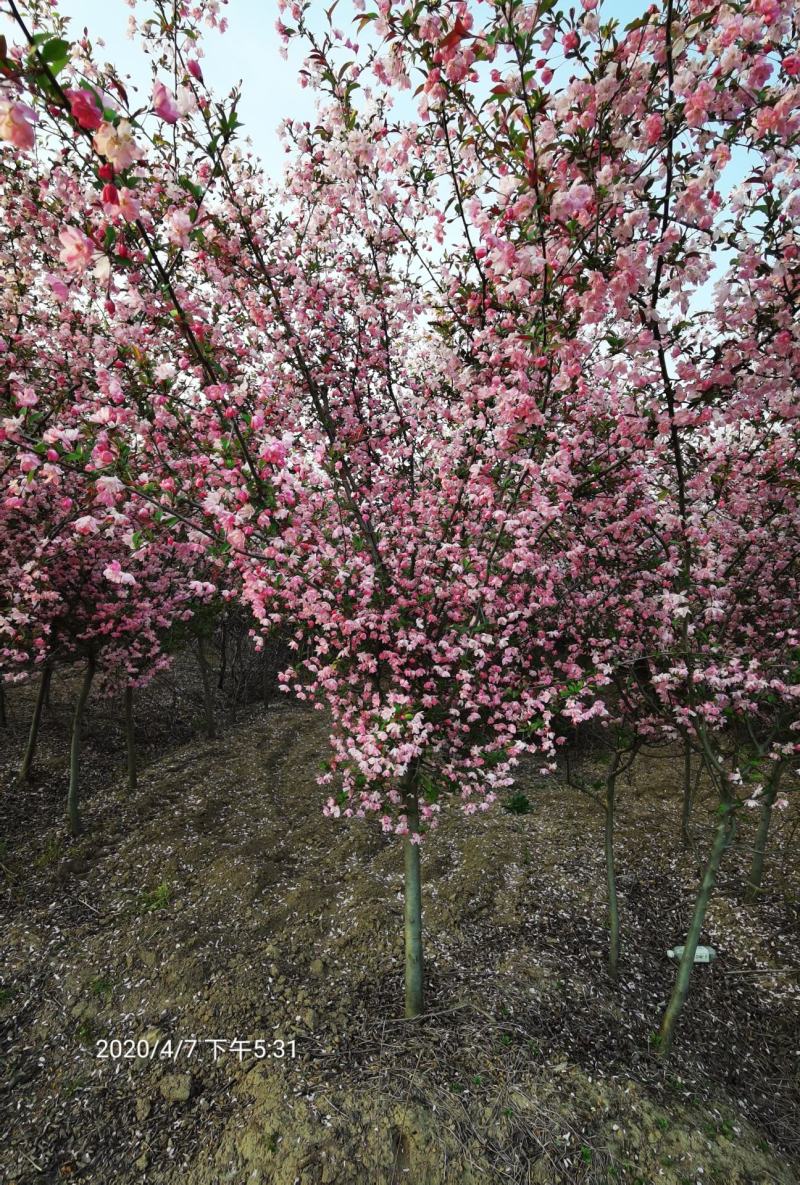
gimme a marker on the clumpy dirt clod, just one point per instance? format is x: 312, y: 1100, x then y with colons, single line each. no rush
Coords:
x: 218, y: 906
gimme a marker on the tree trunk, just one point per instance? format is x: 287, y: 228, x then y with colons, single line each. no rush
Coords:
x: 73, y: 818
x: 240, y: 678
x: 686, y: 812
x: 223, y: 663
x: 722, y: 838
x: 611, y: 876
x: 413, y: 908
x: 26, y: 768
x: 3, y: 715
x: 265, y: 676
x: 208, y: 695
x: 130, y: 739
x: 757, y: 864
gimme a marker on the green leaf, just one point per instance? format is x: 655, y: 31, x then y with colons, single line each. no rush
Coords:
x: 191, y: 187
x: 639, y: 23
x: 54, y: 50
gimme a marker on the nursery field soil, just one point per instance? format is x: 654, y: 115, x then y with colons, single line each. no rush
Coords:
x: 215, y: 907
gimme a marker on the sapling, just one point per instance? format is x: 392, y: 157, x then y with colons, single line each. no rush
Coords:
x: 26, y: 768
x: 130, y: 738
x: 766, y: 803
x: 413, y: 902
x: 208, y: 693
x: 73, y: 815
x: 686, y: 805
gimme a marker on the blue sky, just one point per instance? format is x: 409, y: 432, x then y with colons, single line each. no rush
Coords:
x: 249, y: 51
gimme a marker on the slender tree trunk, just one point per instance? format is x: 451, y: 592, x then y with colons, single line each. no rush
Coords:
x: 611, y: 876
x: 686, y: 812
x: 265, y: 680
x: 3, y: 715
x: 413, y: 907
x: 223, y: 664
x: 722, y: 838
x: 26, y: 768
x: 757, y: 863
x: 208, y: 695
x: 130, y: 739
x: 240, y: 681
x: 73, y: 817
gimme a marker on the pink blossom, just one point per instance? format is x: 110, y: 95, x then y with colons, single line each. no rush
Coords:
x: 164, y: 104
x: 84, y: 109
x: 109, y: 490
x: 87, y: 525
x: 178, y: 228
x: 117, y: 144
x: 274, y: 452
x: 768, y: 9
x: 576, y: 199
x: 16, y: 124
x: 114, y: 573
x: 653, y: 127
x: 186, y: 101
x: 77, y: 249
x: 695, y: 111
x: 58, y: 287
x: 129, y: 206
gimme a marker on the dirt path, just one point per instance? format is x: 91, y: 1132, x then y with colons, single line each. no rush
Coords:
x: 218, y: 904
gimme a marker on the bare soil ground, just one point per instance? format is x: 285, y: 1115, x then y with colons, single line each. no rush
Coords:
x: 217, y: 903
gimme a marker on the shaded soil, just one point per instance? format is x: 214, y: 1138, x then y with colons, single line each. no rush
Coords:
x: 217, y: 903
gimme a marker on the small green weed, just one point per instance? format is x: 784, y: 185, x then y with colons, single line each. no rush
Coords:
x: 50, y: 853
x: 157, y: 898
x: 102, y: 988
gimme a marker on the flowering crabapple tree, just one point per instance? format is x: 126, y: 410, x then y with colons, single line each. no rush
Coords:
x: 470, y: 407
x: 91, y: 575
x: 344, y: 506
x: 645, y: 310
x: 89, y: 580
